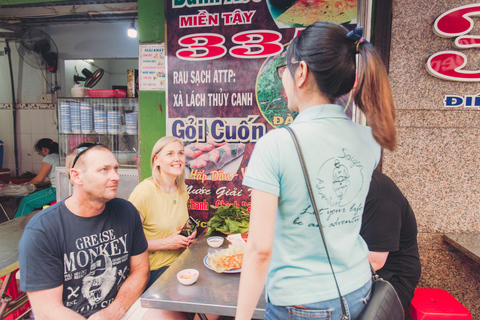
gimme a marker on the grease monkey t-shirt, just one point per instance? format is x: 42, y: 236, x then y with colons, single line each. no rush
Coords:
x: 89, y: 256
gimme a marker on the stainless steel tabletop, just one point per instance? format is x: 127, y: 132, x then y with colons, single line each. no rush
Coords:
x: 213, y: 293
x: 10, y: 234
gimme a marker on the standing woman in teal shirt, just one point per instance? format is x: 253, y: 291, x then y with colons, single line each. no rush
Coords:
x: 49, y: 150
x: 284, y: 249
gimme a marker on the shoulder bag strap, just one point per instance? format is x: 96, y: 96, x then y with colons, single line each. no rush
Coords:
x: 312, y: 198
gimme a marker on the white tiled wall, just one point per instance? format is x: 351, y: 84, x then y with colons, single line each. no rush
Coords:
x: 32, y: 124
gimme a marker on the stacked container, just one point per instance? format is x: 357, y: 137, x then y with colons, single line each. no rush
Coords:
x: 75, y: 118
x: 86, y: 123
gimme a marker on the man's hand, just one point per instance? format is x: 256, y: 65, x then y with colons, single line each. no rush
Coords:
x: 47, y: 304
x: 105, y: 314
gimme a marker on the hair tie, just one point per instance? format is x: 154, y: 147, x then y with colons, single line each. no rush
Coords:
x: 357, y: 36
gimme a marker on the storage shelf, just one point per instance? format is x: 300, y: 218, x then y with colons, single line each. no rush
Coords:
x: 110, y: 121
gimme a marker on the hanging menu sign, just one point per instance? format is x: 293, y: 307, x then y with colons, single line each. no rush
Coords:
x: 223, y: 89
x: 151, y: 63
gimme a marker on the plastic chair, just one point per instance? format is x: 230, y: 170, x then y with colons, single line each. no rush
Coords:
x: 436, y: 304
x: 20, y: 306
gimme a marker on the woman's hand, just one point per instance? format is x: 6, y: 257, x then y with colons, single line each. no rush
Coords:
x: 176, y: 241
x: 192, y: 238
x: 42, y: 174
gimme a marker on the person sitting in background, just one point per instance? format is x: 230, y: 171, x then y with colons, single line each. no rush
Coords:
x: 390, y: 230
x: 49, y: 150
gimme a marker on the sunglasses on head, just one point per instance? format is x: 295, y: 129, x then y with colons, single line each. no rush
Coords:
x: 82, y: 148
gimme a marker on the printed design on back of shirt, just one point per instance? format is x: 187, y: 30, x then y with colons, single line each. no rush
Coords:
x: 336, y: 185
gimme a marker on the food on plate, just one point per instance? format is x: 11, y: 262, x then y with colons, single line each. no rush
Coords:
x: 200, y: 158
x: 307, y: 12
x: 229, y: 219
x: 227, y: 259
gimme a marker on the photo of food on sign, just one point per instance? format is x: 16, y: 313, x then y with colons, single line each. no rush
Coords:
x: 271, y: 97
x: 213, y: 159
x: 298, y: 13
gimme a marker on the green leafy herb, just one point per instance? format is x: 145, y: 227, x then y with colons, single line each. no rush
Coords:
x: 229, y: 219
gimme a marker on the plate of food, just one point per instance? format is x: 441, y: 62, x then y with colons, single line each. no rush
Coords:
x: 302, y: 13
x: 226, y: 260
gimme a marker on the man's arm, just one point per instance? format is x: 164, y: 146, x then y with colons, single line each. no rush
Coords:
x: 130, y: 291
x: 377, y: 259
x: 47, y: 304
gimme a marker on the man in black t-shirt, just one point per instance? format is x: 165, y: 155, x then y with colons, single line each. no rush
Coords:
x: 86, y: 256
x: 390, y: 230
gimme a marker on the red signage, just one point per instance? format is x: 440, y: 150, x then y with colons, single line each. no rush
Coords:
x: 449, y: 65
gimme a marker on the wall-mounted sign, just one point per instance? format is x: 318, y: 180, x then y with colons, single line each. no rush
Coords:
x: 449, y: 65
x: 468, y: 101
x: 151, y: 64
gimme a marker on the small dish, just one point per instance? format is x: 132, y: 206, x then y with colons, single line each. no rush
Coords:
x: 215, y: 242
x: 187, y: 276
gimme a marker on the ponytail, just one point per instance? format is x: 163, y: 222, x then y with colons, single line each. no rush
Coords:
x: 373, y: 95
x: 330, y: 52
x: 51, y: 145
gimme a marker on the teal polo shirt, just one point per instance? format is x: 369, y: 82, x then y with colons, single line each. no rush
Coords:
x: 341, y: 156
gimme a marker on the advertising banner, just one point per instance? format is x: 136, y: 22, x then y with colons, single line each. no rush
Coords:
x: 223, y: 90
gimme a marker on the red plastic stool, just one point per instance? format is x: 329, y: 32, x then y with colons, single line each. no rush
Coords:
x: 437, y: 304
x: 14, y: 292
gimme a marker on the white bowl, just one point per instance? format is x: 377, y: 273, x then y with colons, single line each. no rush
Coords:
x: 215, y: 242
x: 188, y: 276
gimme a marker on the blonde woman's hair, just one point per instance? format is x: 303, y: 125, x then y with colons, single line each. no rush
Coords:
x: 161, y: 143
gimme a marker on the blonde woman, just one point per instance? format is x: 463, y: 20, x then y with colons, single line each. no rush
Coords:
x: 161, y: 201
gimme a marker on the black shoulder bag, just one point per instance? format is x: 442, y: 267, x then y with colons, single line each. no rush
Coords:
x: 384, y: 303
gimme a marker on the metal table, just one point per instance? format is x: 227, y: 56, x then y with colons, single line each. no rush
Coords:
x: 213, y: 293
x: 468, y: 243
x: 10, y: 234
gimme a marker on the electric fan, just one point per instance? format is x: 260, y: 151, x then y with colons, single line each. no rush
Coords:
x: 37, y: 49
x: 91, y: 78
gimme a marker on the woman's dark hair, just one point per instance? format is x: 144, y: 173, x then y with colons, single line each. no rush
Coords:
x: 51, y: 145
x: 330, y: 56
